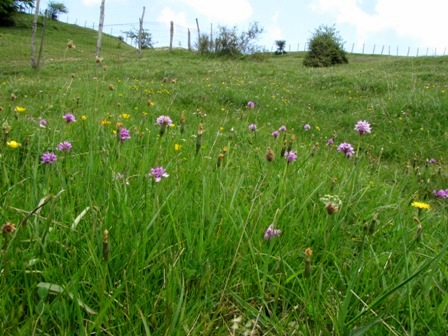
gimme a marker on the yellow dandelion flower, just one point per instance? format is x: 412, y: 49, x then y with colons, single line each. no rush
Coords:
x: 13, y: 144
x: 105, y: 122
x: 20, y: 109
x: 125, y: 116
x: 177, y: 147
x: 420, y: 205
x: 83, y: 118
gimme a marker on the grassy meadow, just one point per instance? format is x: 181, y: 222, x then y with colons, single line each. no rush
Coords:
x: 96, y: 240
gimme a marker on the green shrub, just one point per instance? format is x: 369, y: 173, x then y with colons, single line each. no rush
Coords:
x: 229, y: 42
x: 325, y: 48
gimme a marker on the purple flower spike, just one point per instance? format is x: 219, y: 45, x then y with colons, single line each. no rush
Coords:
x: 251, y: 104
x: 42, y: 123
x: 307, y: 127
x: 271, y: 232
x: 164, y: 120
x: 158, y: 173
x: 275, y: 134
x: 65, y: 146
x: 330, y: 142
x: 69, y: 118
x: 252, y: 127
x: 48, y: 158
x: 291, y: 156
x: 124, y: 134
x: 282, y: 129
x: 346, y: 148
x: 362, y: 127
x: 441, y: 193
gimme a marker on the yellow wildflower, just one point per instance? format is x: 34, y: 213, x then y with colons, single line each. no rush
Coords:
x: 13, y: 144
x: 125, y: 116
x: 421, y: 205
x: 83, y: 118
x: 20, y: 109
x: 105, y: 122
x: 173, y: 125
x: 177, y: 147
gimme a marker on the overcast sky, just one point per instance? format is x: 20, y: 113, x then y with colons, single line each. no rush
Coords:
x: 370, y: 23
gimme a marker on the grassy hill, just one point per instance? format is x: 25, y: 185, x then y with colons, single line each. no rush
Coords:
x: 115, y: 222
x: 15, y: 43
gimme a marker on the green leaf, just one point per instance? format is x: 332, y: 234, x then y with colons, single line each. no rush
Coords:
x: 56, y: 289
x: 78, y: 219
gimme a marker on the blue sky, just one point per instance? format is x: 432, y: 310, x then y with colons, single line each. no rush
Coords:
x: 388, y: 24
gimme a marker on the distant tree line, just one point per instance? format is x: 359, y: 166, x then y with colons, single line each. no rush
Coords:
x: 10, y: 7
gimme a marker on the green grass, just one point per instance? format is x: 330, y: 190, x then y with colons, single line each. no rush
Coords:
x: 186, y: 256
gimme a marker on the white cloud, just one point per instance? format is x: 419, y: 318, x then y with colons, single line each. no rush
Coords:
x: 275, y: 33
x: 98, y: 2
x: 167, y: 15
x: 275, y: 17
x: 91, y: 2
x: 423, y: 20
x: 223, y: 11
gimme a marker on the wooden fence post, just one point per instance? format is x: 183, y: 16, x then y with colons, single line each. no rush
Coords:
x: 189, y: 40
x: 140, y: 33
x: 171, y: 35
x: 199, y: 34
x: 44, y: 25
x: 100, y: 29
x: 33, y: 35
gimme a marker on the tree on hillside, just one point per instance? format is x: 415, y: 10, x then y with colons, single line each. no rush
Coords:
x: 9, y: 7
x: 55, y: 9
x: 281, y: 44
x: 325, y: 48
x: 145, y: 38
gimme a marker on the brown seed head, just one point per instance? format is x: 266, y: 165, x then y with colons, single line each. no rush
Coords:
x: 331, y: 208
x: 8, y: 228
x: 308, y: 252
x: 270, y: 155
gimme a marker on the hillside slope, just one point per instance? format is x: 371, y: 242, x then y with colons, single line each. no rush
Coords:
x: 15, y: 43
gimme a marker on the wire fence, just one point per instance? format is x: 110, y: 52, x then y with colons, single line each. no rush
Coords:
x: 163, y: 35
x: 160, y: 32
